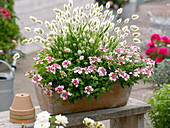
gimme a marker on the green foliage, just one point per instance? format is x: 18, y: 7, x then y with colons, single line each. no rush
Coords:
x: 160, y: 103
x: 162, y: 73
x: 114, y: 3
x: 9, y: 30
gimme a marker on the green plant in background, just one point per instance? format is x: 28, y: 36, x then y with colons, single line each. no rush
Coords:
x: 114, y: 3
x: 9, y: 30
x: 160, y: 103
x: 161, y: 73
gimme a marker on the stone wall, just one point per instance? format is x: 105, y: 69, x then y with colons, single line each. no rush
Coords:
x: 42, y: 10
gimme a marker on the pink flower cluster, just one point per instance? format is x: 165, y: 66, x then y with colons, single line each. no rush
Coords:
x: 158, y: 47
x: 63, y: 93
x: 52, y: 68
x: 36, y: 78
x: 66, y: 63
x: 88, y: 89
x: 94, y: 59
x: 5, y: 13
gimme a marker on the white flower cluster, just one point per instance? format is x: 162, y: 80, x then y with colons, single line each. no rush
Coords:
x: 59, y: 121
x: 92, y: 17
x: 92, y: 124
x: 43, y: 120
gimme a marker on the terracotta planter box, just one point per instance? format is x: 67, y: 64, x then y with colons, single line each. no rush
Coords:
x: 119, y: 97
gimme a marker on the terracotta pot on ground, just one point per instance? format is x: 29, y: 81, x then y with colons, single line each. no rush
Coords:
x: 22, y: 109
x: 119, y: 97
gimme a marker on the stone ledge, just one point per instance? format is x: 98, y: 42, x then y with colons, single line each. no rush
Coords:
x: 134, y: 107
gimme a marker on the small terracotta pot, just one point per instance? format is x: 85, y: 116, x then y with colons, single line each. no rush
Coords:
x: 22, y: 109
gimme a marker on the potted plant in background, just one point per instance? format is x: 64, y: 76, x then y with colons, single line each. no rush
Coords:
x: 10, y: 34
x: 158, y: 49
x: 160, y: 112
x: 86, y: 63
x: 115, y: 4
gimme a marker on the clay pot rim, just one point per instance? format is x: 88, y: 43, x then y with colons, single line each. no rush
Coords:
x: 27, y: 110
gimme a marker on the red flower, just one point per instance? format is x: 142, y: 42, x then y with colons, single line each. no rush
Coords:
x: 165, y: 40
x: 164, y: 51
x: 158, y: 59
x: 151, y: 44
x: 150, y: 50
x: 155, y: 36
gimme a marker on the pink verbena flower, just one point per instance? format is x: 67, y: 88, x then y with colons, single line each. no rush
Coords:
x: 36, y: 78
x: 87, y: 70
x: 109, y: 57
x: 113, y: 76
x: 49, y: 59
x: 39, y: 62
x: 56, y: 66
x: 164, y: 51
x: 75, y: 82
x: 103, y: 48
x: 48, y: 92
x: 59, y: 89
x: 51, y: 68
x: 28, y: 72
x: 63, y: 74
x: 94, y: 59
x: 40, y: 85
x: 92, y: 68
x: 102, y: 71
x: 36, y: 58
x: 88, y: 89
x: 66, y: 63
x: 78, y: 70
x: 154, y: 37
x: 64, y: 95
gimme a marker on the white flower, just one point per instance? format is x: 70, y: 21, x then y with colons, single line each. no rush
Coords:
x: 79, y: 52
x: 126, y: 20
x: 134, y: 17
x: 28, y: 29
x: 134, y: 28
x: 61, y: 120
x: 101, y: 7
x: 81, y: 57
x: 39, y: 124
x: 136, y: 34
x: 111, y: 18
x: 119, y: 20
x: 88, y: 122
x: 67, y: 50
x: 91, y: 40
x: 136, y: 40
x: 33, y: 18
x: 25, y: 41
x: 99, y: 125
x: 108, y: 5
x: 43, y: 116
x: 39, y: 22
x: 70, y: 3
x: 59, y: 127
x: 16, y: 56
x: 120, y: 10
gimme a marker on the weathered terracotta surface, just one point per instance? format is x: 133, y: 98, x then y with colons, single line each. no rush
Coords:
x: 119, y: 97
x: 22, y: 109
